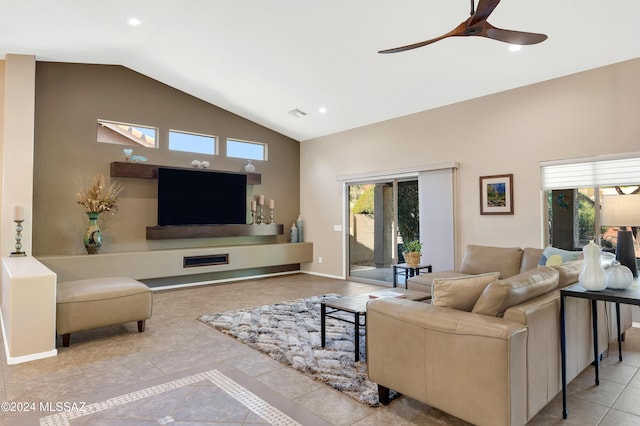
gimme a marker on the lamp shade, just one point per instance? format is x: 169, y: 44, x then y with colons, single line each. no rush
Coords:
x: 620, y: 210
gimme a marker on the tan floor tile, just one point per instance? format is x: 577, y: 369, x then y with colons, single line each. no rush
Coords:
x: 334, y: 407
x: 619, y: 418
x: 289, y: 382
x: 628, y: 401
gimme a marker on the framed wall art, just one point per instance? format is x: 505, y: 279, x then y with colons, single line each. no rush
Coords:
x: 496, y: 194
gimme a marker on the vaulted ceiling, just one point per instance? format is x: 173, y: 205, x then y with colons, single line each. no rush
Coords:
x: 262, y: 59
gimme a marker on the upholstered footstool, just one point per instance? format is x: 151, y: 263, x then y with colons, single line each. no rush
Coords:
x: 100, y: 302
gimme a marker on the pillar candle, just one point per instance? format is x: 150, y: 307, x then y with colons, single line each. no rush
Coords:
x: 272, y: 204
x: 253, y: 205
x: 18, y: 213
x: 261, y: 200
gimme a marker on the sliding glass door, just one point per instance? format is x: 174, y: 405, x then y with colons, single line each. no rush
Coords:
x: 382, y: 215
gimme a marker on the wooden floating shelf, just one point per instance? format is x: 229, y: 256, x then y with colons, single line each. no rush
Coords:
x: 208, y: 231
x: 150, y: 171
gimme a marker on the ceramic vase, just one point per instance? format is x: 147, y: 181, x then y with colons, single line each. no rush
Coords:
x: 592, y: 276
x: 619, y: 276
x: 93, y: 236
x: 249, y: 168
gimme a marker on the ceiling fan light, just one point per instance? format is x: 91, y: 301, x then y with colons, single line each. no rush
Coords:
x: 515, y: 47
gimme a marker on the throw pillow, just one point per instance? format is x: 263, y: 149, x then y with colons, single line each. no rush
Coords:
x: 555, y: 256
x: 501, y: 295
x: 460, y: 293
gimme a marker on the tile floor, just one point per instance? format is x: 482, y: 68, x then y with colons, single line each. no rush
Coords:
x: 181, y: 371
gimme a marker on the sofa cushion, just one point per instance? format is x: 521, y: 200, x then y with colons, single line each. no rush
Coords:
x: 483, y: 259
x: 502, y: 294
x: 555, y: 256
x: 530, y: 258
x: 424, y: 282
x: 569, y: 272
x: 460, y: 293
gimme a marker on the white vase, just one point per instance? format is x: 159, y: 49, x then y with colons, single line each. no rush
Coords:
x: 619, y: 276
x: 250, y: 168
x: 592, y: 276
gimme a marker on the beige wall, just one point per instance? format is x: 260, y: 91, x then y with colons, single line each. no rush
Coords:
x: 17, y: 148
x: 587, y: 114
x: 69, y: 100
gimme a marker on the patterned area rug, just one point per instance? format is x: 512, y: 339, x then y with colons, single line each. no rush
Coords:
x: 289, y: 332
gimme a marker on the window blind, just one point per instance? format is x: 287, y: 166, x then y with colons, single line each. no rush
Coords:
x: 588, y: 173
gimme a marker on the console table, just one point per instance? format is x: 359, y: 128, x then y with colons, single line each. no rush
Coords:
x: 629, y: 296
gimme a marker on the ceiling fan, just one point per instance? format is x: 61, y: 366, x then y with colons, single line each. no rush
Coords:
x: 477, y: 25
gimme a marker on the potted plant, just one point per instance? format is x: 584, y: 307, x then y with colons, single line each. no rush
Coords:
x: 412, y: 252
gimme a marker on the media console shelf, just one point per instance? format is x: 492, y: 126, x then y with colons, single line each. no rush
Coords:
x: 150, y: 171
x: 208, y: 231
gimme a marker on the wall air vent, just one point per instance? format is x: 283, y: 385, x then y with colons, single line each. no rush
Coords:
x: 297, y: 113
x: 207, y: 260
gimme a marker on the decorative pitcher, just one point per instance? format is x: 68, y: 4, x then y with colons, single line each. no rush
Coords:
x: 93, y: 236
x: 592, y: 276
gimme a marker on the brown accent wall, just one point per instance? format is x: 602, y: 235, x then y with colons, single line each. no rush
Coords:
x: 69, y: 100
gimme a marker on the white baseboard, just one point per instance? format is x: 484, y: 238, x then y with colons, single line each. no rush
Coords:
x: 336, y: 277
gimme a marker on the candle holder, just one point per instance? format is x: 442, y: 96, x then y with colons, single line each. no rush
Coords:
x: 18, y: 251
x: 261, y: 217
x: 253, y: 217
x: 271, y: 216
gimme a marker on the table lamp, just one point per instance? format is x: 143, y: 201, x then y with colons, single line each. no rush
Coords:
x: 622, y: 211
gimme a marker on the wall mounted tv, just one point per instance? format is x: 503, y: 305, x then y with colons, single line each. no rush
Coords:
x: 199, y: 197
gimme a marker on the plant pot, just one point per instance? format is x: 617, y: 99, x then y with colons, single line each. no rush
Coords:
x: 412, y: 258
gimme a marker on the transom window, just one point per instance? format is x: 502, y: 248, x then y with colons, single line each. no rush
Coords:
x: 192, y: 142
x: 245, y: 149
x: 127, y: 134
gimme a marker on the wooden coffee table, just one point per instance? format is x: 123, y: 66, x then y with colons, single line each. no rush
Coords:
x: 357, y: 305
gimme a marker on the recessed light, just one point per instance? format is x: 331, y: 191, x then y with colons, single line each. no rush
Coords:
x: 322, y: 110
x: 134, y: 22
x: 515, y: 47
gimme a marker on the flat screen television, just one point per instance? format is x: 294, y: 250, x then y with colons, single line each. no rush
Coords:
x: 199, y: 197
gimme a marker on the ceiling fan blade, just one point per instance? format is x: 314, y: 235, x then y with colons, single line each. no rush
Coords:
x: 512, y: 37
x: 484, y: 9
x: 458, y: 31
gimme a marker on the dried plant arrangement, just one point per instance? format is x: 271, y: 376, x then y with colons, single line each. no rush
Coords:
x: 95, y: 199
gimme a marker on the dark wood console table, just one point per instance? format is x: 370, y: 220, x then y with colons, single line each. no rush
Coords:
x: 630, y: 296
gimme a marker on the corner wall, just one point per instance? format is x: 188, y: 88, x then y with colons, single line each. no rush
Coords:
x: 586, y: 114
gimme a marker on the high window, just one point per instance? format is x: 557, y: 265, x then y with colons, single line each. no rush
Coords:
x: 245, y: 149
x: 132, y: 135
x: 192, y: 142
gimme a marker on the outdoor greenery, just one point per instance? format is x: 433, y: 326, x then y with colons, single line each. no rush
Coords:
x: 408, y: 210
x: 364, y: 195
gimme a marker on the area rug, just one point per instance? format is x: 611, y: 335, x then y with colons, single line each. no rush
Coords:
x: 289, y: 332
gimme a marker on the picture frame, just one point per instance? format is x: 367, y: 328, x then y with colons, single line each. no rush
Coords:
x: 496, y: 194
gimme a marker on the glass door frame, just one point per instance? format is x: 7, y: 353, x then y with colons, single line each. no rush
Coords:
x: 393, y: 180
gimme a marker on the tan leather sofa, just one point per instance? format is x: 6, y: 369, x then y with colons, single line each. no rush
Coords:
x: 497, y: 363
